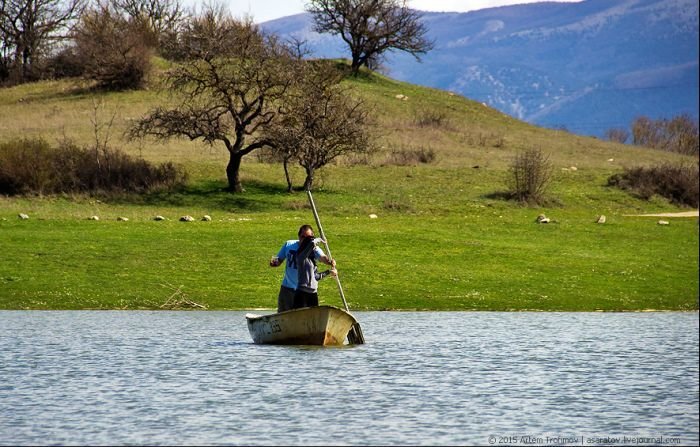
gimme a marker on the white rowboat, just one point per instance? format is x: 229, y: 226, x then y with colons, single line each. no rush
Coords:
x: 319, y: 325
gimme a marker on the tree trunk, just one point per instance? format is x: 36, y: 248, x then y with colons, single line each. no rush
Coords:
x: 356, y: 63
x: 285, y: 162
x: 309, y: 181
x: 25, y: 65
x: 233, y: 172
x: 17, y: 67
x: 355, y: 67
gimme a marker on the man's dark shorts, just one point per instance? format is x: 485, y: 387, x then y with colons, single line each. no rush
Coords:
x: 305, y: 299
x: 285, y: 299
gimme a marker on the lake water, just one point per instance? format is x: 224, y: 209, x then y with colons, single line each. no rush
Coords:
x: 438, y: 378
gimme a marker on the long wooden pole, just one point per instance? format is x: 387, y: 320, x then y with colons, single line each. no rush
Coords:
x: 355, y: 335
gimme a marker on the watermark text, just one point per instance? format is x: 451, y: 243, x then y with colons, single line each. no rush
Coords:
x: 565, y: 440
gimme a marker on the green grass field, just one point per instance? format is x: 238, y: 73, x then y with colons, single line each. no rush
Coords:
x: 441, y: 240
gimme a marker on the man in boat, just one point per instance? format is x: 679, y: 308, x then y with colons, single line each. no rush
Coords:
x: 306, y: 294
x: 288, y: 253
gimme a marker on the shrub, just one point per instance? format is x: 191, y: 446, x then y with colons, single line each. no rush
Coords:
x: 31, y: 166
x: 677, y: 183
x: 483, y: 139
x: 64, y: 64
x: 364, y: 159
x: 431, y: 118
x: 529, y: 176
x: 25, y: 167
x: 398, y: 204
x: 410, y: 157
x: 296, y: 205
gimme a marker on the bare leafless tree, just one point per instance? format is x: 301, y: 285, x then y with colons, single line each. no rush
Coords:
x: 114, y: 49
x: 323, y: 121
x: 228, y: 88
x: 162, y: 18
x: 213, y: 33
x: 28, y: 27
x: 679, y: 134
x: 682, y: 135
x: 617, y: 134
x: 160, y: 15
x: 370, y: 28
x: 645, y: 132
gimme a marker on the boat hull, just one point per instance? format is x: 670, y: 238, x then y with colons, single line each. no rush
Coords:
x: 319, y: 326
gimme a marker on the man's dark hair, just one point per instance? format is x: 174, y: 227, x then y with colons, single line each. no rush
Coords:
x: 304, y: 228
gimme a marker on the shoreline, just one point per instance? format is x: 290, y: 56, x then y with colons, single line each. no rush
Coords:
x: 271, y: 310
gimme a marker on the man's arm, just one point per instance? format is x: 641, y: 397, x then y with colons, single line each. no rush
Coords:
x: 327, y: 261
x: 321, y: 256
x: 276, y: 261
x: 332, y: 272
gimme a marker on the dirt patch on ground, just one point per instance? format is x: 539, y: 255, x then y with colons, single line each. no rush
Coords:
x: 683, y: 214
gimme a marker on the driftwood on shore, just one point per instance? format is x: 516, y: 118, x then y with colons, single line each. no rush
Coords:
x: 179, y: 300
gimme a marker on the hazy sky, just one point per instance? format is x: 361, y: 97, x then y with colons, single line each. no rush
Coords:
x: 263, y: 10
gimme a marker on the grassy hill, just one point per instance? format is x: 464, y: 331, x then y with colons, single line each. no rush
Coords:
x: 441, y: 239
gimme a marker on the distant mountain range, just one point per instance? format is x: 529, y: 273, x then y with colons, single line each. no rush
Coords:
x: 586, y: 67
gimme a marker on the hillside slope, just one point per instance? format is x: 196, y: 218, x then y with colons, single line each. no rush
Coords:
x: 586, y: 66
x: 461, y: 132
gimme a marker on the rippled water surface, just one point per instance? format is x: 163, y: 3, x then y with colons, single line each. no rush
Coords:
x: 97, y: 377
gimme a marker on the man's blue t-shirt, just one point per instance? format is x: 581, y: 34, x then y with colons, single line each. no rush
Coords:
x: 288, y: 253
